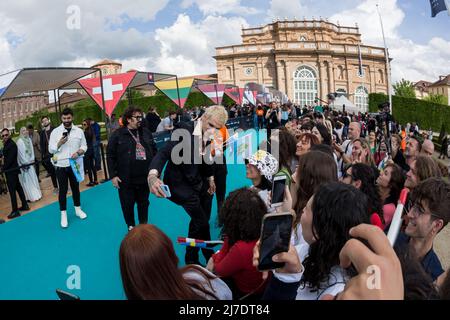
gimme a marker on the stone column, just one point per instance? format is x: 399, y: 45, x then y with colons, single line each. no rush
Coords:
x: 330, y: 77
x: 323, y: 82
x: 280, y: 75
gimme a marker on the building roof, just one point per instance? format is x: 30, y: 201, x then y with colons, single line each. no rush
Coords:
x: 443, y: 81
x: 106, y: 62
x: 212, y: 76
x: 67, y: 98
x: 422, y: 85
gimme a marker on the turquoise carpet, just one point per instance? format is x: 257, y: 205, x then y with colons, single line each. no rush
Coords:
x: 35, y: 253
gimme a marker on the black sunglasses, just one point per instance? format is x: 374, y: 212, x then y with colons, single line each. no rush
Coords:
x: 5, y: 135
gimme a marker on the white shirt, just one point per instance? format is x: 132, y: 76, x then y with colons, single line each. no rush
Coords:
x: 75, y: 142
x: 333, y: 286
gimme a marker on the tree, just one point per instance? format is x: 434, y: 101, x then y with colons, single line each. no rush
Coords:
x: 436, y: 98
x: 404, y: 88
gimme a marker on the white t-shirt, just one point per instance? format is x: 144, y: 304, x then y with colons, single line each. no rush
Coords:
x: 219, y: 287
x: 333, y: 286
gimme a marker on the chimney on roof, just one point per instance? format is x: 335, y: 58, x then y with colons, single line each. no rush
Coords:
x: 441, y: 78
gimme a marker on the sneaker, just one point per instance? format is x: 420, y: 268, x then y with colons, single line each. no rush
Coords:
x: 130, y: 228
x: 90, y: 184
x: 14, y: 214
x: 64, y: 223
x: 24, y: 208
x: 80, y: 214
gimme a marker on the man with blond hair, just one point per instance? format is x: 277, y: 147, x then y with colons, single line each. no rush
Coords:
x: 190, y: 181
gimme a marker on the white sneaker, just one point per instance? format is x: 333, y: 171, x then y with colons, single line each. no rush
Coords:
x: 79, y: 213
x: 64, y: 223
x: 130, y: 228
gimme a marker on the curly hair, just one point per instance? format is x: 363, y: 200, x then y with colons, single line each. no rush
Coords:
x: 241, y: 215
x: 366, y: 175
x: 336, y: 209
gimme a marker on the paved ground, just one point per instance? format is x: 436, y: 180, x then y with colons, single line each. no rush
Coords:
x: 442, y: 242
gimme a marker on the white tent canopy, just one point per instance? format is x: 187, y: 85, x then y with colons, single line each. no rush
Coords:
x: 341, y: 101
x: 30, y: 80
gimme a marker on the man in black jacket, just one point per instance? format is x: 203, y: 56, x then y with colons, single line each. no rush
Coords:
x: 190, y: 173
x: 130, y: 151
x: 11, y: 169
x: 47, y: 129
x: 152, y: 120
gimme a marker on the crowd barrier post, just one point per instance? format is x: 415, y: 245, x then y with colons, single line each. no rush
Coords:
x: 105, y: 168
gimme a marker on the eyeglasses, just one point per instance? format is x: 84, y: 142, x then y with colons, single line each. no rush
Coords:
x: 5, y: 135
x: 138, y: 118
x: 417, y: 210
x: 84, y: 124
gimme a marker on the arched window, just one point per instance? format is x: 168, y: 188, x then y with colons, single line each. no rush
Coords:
x: 302, y: 39
x: 381, y: 76
x: 340, y: 73
x: 229, y: 74
x: 305, y: 86
x: 362, y: 99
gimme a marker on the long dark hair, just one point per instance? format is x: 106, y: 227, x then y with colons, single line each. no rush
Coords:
x: 366, y: 175
x: 287, y: 148
x: 149, y: 268
x: 241, y: 215
x: 314, y: 169
x: 395, y: 184
x: 336, y: 208
x: 326, y: 135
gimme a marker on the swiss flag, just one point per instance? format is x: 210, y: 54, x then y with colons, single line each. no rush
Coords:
x: 114, y: 87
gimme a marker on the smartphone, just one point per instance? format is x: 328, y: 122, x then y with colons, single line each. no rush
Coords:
x: 166, y: 190
x: 63, y: 295
x: 278, y: 189
x: 275, y: 238
x: 65, y: 134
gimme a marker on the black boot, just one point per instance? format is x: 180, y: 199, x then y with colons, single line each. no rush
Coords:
x: 14, y: 214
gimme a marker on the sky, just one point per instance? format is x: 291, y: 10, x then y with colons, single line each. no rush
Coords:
x: 180, y: 36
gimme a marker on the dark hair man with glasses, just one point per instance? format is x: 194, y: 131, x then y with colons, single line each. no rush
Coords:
x: 130, y: 151
x: 11, y: 169
x: 428, y: 215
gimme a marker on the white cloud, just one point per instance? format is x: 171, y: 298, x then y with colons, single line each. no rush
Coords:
x: 187, y: 48
x: 41, y: 36
x: 286, y: 9
x: 220, y: 7
x: 411, y: 60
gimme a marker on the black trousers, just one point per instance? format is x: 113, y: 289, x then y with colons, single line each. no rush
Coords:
x: 90, y: 167
x: 220, y: 177
x: 66, y: 176
x: 51, y: 171
x: 196, y: 206
x: 131, y: 194
x: 13, y: 183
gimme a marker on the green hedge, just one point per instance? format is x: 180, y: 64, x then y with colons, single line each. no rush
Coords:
x: 88, y: 109
x: 426, y: 114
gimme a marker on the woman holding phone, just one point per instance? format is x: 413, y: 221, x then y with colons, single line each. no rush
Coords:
x: 326, y: 222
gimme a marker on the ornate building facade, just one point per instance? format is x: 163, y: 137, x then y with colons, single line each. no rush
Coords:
x: 21, y: 107
x: 305, y: 60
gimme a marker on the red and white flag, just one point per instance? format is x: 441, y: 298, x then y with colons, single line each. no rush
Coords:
x: 213, y: 91
x: 114, y: 87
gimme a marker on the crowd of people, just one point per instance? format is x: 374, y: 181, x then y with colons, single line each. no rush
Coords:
x: 344, y: 175
x: 22, y: 159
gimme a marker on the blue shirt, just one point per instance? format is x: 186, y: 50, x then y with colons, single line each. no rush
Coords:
x: 430, y: 263
x: 96, y: 128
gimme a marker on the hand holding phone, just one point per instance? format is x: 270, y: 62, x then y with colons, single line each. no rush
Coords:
x: 278, y: 191
x: 275, y: 238
x: 166, y: 190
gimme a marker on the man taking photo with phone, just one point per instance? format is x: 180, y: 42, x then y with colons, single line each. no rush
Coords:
x: 191, y: 182
x: 130, y: 151
x: 67, y: 142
